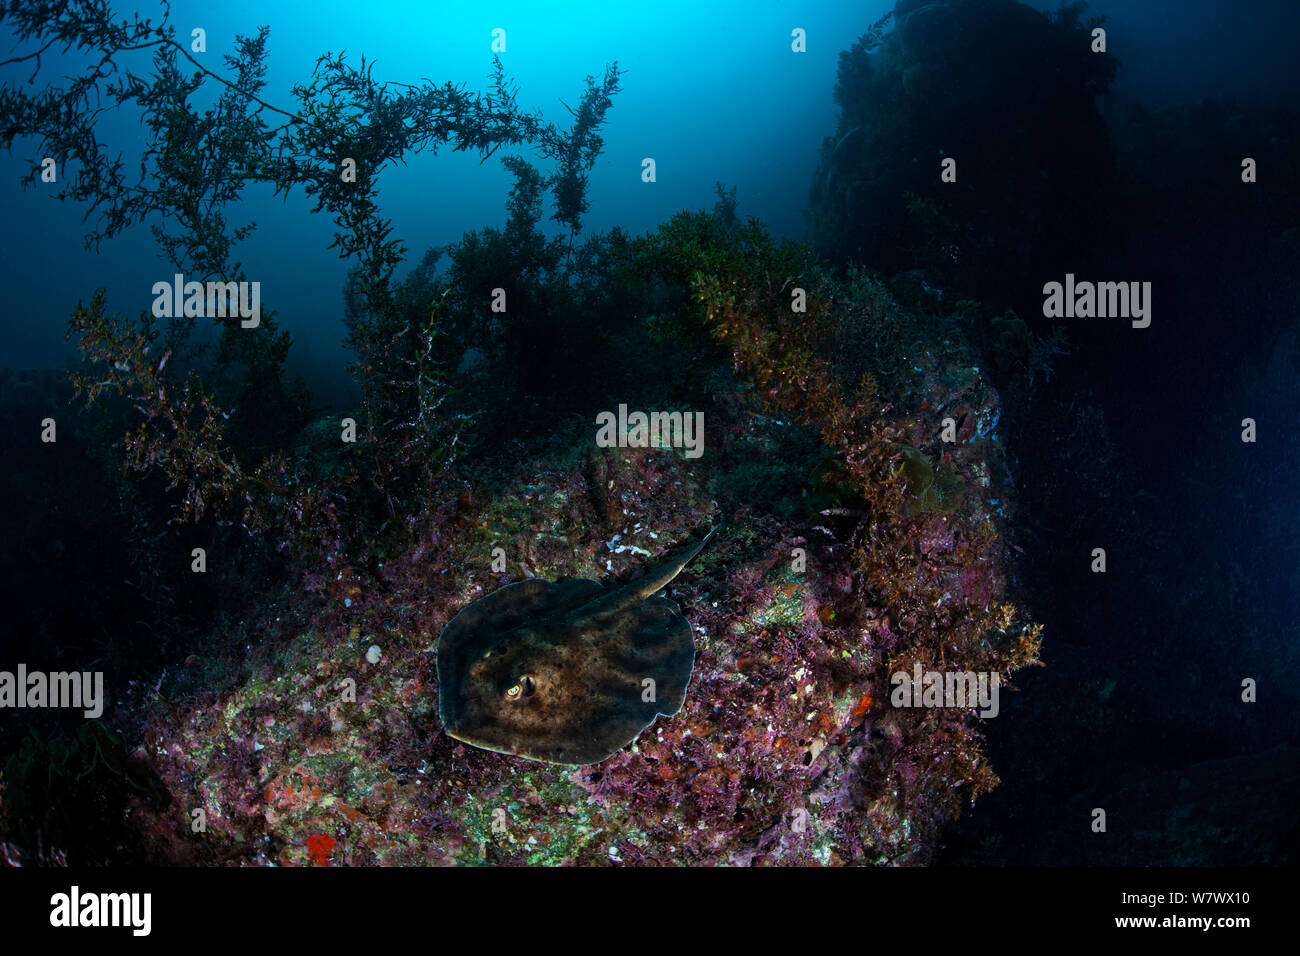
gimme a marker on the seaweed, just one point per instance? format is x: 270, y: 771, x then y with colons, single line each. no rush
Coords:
x: 70, y: 791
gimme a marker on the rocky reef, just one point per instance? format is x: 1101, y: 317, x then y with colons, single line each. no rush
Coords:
x: 286, y: 708
x: 854, y: 543
x: 995, y: 87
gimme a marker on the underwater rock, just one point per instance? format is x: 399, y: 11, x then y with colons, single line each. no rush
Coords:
x: 784, y: 750
x: 924, y: 28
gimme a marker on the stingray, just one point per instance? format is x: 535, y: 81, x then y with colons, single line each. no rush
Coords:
x: 567, y: 672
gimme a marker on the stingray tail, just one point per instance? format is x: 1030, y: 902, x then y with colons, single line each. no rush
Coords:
x: 659, y: 578
x: 656, y: 580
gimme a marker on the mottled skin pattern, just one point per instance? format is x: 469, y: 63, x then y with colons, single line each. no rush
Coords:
x: 559, y: 672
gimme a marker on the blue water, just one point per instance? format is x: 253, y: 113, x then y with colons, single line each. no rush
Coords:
x: 712, y: 92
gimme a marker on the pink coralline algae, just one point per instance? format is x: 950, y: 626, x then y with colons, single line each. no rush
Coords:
x: 787, y: 749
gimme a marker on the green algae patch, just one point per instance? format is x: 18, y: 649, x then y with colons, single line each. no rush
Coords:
x: 926, y: 488
x: 784, y: 606
x: 543, y: 818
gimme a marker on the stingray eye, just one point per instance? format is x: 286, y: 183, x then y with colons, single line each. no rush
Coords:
x: 523, y: 689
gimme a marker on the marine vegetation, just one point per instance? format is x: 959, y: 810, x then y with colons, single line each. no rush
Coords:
x: 58, y: 790
x: 852, y: 461
x: 1009, y: 94
x: 784, y: 748
x: 203, y: 419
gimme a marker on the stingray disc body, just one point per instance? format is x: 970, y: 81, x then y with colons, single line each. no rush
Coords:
x: 568, y: 672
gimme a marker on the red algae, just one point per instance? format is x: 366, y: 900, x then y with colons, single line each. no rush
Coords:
x: 787, y: 749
